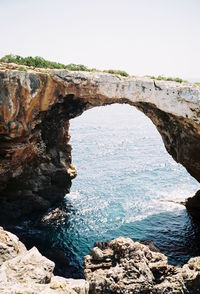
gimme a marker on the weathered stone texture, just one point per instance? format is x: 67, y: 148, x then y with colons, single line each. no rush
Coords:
x: 127, y: 267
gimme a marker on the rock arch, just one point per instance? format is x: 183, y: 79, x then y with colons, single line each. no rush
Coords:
x: 35, y: 108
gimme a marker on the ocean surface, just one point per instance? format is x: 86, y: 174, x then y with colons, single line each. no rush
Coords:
x: 127, y: 185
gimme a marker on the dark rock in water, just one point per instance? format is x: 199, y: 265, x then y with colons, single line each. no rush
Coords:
x: 193, y: 203
x: 128, y: 267
x: 53, y: 217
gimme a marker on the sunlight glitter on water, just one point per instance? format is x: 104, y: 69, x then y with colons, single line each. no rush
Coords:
x: 127, y: 184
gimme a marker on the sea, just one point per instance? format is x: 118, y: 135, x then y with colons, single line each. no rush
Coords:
x: 127, y: 185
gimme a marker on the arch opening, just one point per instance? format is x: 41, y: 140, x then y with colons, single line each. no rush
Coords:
x: 127, y: 184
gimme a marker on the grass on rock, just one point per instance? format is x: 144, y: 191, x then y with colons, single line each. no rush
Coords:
x: 162, y: 78
x: 39, y: 62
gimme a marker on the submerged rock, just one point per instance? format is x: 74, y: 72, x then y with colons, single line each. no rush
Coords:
x: 128, y: 267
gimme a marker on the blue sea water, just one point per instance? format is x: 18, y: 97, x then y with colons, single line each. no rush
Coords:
x: 126, y: 185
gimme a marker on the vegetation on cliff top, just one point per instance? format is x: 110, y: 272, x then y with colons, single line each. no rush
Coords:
x: 39, y: 62
x: 162, y: 78
x: 117, y: 72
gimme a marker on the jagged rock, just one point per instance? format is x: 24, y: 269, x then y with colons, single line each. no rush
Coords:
x: 97, y: 253
x: 191, y: 275
x: 128, y: 267
x: 28, y: 272
x: 36, y: 171
x: 79, y: 286
x: 35, y: 108
x: 10, y: 246
x: 28, y: 266
x: 119, y: 266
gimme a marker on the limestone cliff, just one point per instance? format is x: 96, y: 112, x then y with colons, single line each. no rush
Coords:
x: 35, y: 108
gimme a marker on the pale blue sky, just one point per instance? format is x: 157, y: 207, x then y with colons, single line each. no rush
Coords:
x: 140, y: 36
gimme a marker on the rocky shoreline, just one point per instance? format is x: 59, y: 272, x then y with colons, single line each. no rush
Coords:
x: 125, y: 266
x: 119, y: 266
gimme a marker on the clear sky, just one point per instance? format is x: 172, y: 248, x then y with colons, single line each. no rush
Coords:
x: 139, y: 36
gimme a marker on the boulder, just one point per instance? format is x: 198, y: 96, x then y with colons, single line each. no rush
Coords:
x: 129, y: 267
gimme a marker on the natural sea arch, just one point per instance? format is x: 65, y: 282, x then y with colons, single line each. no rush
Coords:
x: 36, y: 167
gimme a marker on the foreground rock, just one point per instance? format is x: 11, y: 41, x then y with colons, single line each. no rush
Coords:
x: 120, y: 266
x: 127, y: 267
x: 27, y: 271
x: 35, y: 108
x: 10, y: 246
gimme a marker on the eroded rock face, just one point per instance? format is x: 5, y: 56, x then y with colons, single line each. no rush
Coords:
x: 27, y: 271
x: 127, y: 267
x: 35, y: 108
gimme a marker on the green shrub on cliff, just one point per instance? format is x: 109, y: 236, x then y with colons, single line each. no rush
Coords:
x: 39, y: 62
x: 162, y: 78
x: 22, y: 68
x: 117, y: 72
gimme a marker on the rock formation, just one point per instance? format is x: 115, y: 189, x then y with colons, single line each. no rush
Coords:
x: 120, y: 266
x: 127, y: 267
x: 23, y: 271
x: 35, y: 108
